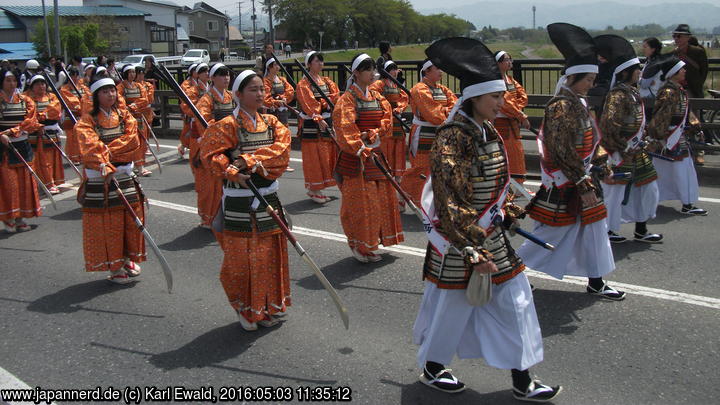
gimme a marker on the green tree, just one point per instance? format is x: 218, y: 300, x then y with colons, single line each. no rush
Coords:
x: 76, y: 38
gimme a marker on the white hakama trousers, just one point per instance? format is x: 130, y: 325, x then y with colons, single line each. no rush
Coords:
x: 580, y: 250
x: 641, y: 206
x: 677, y: 180
x: 505, y: 331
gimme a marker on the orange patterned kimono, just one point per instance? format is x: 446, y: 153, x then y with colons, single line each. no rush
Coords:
x: 18, y: 190
x: 394, y: 146
x: 150, y: 96
x: 135, y: 98
x: 507, y: 124
x: 208, y: 187
x: 255, y: 273
x: 277, y: 88
x: 47, y: 161
x: 369, y: 211
x: 319, y: 152
x: 110, y: 236
x: 189, y: 87
x: 431, y: 104
x: 74, y: 101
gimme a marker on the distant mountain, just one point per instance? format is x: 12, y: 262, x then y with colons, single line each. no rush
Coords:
x: 591, y: 15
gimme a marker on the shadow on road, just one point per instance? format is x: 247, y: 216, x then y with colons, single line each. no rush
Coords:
x: 344, y: 271
x: 557, y: 310
x: 306, y: 205
x: 669, y: 214
x: 624, y: 250
x: 69, y: 299
x: 183, y: 188
x: 196, y: 238
x: 419, y: 394
x: 72, y: 215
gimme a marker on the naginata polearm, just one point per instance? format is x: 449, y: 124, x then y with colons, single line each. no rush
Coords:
x: 70, y: 115
x: 167, y: 272
x: 287, y: 74
x: 384, y: 73
x: 152, y: 133
x: 72, y: 83
x: 274, y: 215
x: 405, y: 126
x: 315, y: 86
x: 32, y: 172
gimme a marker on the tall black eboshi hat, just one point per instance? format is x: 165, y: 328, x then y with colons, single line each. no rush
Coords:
x: 618, y: 52
x: 470, y: 61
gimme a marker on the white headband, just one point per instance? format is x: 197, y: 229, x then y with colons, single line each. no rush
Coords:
x: 126, y: 67
x: 425, y: 66
x: 200, y: 66
x: 674, y: 70
x: 267, y: 64
x: 36, y: 78
x: 9, y: 73
x: 102, y: 83
x: 307, y: 57
x: 623, y: 66
x: 191, y: 68
x: 359, y: 60
x: 477, y: 89
x: 387, y: 64
x: 573, y: 70
x: 500, y: 55
x: 215, y: 68
x: 240, y: 78
x: 100, y: 70
x: 90, y: 66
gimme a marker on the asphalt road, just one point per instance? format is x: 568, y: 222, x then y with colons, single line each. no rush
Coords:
x: 63, y: 328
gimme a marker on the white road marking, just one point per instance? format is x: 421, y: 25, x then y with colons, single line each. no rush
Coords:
x: 667, y: 295
x: 9, y: 382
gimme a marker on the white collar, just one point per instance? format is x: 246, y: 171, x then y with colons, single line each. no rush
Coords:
x: 107, y: 114
x: 367, y: 90
x: 252, y: 118
x: 221, y: 95
x: 479, y: 126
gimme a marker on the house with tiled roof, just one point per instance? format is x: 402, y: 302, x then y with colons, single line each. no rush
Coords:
x: 17, y: 23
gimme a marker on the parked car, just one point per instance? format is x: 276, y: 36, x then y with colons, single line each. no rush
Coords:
x: 195, y: 56
x: 138, y: 59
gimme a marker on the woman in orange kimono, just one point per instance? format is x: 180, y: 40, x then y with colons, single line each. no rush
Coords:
x: 254, y: 272
x: 394, y: 146
x: 108, y: 143
x: 135, y: 98
x: 431, y: 103
x: 188, y: 86
x: 215, y: 105
x: 73, y: 100
x: 47, y: 161
x: 87, y: 101
x: 369, y: 210
x: 278, y: 91
x: 511, y: 117
x: 319, y: 153
x: 149, y: 93
x: 19, y: 197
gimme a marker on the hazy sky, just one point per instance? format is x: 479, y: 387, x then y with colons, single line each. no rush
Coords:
x: 223, y: 5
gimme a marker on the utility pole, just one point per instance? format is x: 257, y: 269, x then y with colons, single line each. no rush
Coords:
x: 47, y: 30
x: 270, y: 18
x: 534, y: 26
x: 240, y: 17
x: 254, y: 19
x: 58, y: 46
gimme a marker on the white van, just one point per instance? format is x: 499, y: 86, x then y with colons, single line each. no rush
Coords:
x: 195, y: 56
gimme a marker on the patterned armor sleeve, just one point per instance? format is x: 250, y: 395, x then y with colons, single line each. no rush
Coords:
x: 453, y: 188
x: 665, y: 104
x: 558, y: 131
x: 617, y: 107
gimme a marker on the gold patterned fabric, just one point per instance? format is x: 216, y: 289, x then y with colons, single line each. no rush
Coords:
x: 670, y: 106
x: 468, y: 173
x: 621, y: 119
